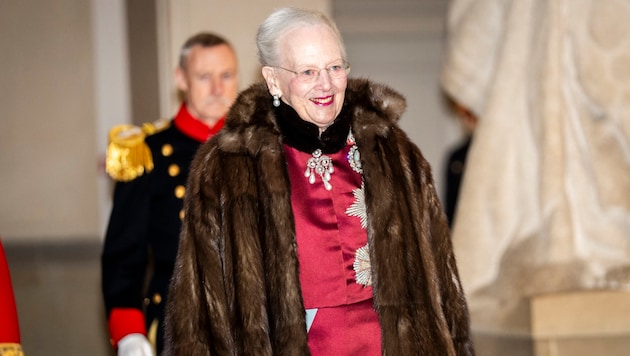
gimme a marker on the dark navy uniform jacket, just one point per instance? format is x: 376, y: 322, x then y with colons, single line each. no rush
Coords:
x: 143, y: 232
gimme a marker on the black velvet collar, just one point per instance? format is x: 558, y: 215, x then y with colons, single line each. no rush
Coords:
x: 304, y: 136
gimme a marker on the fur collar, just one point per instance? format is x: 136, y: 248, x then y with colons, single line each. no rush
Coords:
x: 305, y: 136
x: 375, y: 108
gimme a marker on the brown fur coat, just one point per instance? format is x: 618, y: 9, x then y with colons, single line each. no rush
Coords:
x: 236, y: 289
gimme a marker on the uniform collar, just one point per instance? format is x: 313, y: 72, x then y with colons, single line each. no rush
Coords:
x: 195, y: 128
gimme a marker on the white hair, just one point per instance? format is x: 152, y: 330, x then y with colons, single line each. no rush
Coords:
x: 283, y: 20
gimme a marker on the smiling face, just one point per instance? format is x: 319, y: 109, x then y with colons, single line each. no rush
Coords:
x: 210, y: 81
x: 303, y: 48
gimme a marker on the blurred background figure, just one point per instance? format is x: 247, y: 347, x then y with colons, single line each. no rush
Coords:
x: 10, y: 344
x: 150, y: 165
x: 545, y: 202
x: 456, y: 159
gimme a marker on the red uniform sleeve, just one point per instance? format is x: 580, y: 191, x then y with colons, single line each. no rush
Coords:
x: 9, y: 326
x: 125, y: 321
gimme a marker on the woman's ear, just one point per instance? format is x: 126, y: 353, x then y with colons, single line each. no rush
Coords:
x: 272, y: 81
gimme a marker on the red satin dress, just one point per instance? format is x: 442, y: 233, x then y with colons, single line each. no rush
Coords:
x: 332, y: 247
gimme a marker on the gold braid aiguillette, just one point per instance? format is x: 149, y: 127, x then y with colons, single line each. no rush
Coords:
x: 128, y: 156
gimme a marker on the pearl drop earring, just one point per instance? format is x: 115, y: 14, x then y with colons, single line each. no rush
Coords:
x: 276, y: 100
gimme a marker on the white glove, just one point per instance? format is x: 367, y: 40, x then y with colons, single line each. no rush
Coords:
x: 134, y: 345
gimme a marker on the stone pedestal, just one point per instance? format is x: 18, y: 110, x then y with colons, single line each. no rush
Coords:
x: 585, y: 323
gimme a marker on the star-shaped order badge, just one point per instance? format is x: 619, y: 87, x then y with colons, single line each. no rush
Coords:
x: 361, y: 265
x: 357, y: 208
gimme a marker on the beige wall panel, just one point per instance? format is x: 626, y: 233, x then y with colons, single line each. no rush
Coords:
x: 47, y: 128
x: 111, y: 87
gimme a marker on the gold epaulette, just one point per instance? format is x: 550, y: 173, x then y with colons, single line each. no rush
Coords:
x: 156, y: 126
x: 128, y: 156
x: 11, y: 349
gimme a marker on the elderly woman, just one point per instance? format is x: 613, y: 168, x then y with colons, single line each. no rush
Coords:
x: 312, y: 223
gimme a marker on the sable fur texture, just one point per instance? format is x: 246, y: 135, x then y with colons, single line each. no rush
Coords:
x: 236, y: 288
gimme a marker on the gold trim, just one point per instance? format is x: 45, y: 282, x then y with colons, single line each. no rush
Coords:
x: 167, y: 150
x: 173, y: 170
x: 152, y: 335
x: 128, y: 156
x: 156, y: 126
x: 11, y: 349
x: 180, y: 191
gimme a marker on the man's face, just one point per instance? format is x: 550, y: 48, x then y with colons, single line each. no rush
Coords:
x: 210, y: 82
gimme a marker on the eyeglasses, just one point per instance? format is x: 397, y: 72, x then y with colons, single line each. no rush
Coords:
x: 311, y: 75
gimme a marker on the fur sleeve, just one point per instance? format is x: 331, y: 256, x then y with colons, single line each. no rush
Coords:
x: 420, y: 287
x: 436, y: 237
x: 452, y: 293
x: 197, y: 315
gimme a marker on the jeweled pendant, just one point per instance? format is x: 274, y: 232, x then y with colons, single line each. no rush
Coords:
x: 354, y: 157
x: 319, y: 164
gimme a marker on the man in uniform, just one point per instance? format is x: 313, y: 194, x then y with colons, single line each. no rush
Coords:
x: 150, y: 166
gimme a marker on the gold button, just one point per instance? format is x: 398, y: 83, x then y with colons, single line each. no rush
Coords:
x: 182, y: 214
x: 157, y: 298
x: 180, y: 191
x: 167, y: 150
x: 173, y: 170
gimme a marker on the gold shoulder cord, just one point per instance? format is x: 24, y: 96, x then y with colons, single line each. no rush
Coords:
x: 11, y: 349
x: 156, y: 126
x: 128, y: 156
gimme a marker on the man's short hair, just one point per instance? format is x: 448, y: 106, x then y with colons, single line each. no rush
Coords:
x: 203, y: 39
